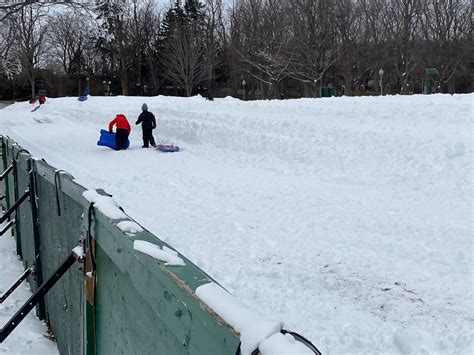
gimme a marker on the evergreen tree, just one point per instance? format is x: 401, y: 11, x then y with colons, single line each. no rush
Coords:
x: 114, y: 39
x: 194, y: 10
x: 173, y: 19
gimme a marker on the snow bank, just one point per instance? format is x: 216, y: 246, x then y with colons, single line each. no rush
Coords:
x: 348, y: 218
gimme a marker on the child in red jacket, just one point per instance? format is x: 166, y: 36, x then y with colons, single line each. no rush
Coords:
x: 122, y: 132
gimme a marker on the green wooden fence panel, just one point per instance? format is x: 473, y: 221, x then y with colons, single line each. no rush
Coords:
x: 26, y: 222
x: 60, y: 231
x: 171, y: 319
x: 3, y: 166
x: 10, y: 188
x: 140, y: 305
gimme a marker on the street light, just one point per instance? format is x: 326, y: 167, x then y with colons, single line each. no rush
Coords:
x: 381, y: 73
x: 243, y: 87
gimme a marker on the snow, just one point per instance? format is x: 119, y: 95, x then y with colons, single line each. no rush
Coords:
x: 105, y: 204
x: 170, y: 257
x: 79, y: 252
x: 350, y: 219
x: 29, y: 337
x: 129, y: 227
x: 253, y: 328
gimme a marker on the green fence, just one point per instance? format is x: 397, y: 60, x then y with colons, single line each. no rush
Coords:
x: 131, y: 293
x: 328, y: 92
x: 120, y: 301
x: 60, y: 213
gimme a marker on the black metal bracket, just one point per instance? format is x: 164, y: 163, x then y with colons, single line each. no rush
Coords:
x: 302, y: 340
x: 14, y: 285
x: 57, y: 186
x: 7, y: 227
x: 22, y: 150
x: 7, y: 214
x: 6, y: 172
x: 76, y: 254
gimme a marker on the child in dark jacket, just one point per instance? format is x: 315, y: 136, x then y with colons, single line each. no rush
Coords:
x: 147, y: 119
x: 122, y: 132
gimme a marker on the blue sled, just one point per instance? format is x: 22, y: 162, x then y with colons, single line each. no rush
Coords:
x: 82, y: 98
x: 107, y: 139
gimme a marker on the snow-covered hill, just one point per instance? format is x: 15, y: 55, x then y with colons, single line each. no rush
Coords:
x: 350, y: 219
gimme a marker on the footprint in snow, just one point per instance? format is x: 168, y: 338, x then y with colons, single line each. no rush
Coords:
x: 42, y: 120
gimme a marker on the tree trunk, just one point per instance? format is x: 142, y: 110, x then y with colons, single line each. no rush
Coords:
x: 79, y: 93
x: 451, y: 86
x: 306, y: 89
x: 14, y: 89
x: 189, y: 90
x: 124, y: 83
x: 154, y: 77
x: 123, y: 77
x: 348, y: 80
x: 31, y: 78
x: 348, y: 91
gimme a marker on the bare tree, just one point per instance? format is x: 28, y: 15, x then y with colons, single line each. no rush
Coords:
x: 68, y: 35
x: 347, y: 28
x: 29, y: 25
x: 298, y: 45
x: 10, y: 8
x: 184, y: 51
x: 263, y: 44
x: 215, y: 34
x: 402, y: 28
x: 371, y: 50
x: 314, y: 41
x: 184, y: 60
x: 151, y: 23
x: 9, y: 64
x: 447, y: 31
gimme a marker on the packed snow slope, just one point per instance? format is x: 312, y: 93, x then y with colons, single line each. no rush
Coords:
x: 350, y: 219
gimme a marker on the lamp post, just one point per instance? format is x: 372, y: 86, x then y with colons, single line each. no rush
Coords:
x: 381, y: 73
x: 243, y: 87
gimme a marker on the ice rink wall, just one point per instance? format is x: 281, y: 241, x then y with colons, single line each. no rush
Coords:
x: 119, y: 300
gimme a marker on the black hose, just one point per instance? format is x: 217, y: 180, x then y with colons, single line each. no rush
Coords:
x: 89, y: 236
x: 57, y: 183
x: 297, y: 337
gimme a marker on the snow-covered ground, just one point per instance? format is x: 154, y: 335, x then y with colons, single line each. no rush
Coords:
x: 29, y: 337
x: 350, y: 219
